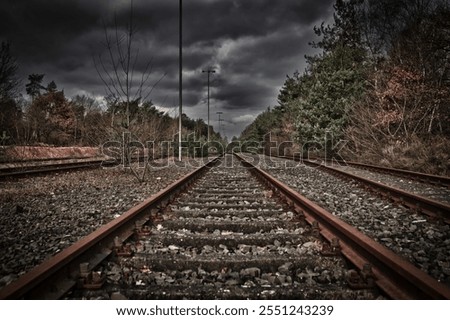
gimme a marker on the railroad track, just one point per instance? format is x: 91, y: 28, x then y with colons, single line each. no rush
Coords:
x: 228, y: 237
x: 52, y: 165
x: 413, y: 175
x: 431, y: 207
x: 48, y: 166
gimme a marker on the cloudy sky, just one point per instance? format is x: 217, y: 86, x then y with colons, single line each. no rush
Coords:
x: 252, y: 45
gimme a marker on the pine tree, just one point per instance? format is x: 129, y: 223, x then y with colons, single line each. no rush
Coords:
x: 334, y: 79
x: 35, y: 86
x: 10, y: 112
x: 8, y: 70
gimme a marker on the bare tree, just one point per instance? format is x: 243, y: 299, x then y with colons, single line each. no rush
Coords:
x: 126, y: 86
x: 118, y: 67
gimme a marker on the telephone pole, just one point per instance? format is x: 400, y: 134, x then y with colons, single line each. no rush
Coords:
x: 209, y: 71
x: 180, y: 89
x: 220, y: 121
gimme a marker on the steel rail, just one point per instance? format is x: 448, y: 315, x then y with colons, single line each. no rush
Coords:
x: 55, y: 165
x: 398, y: 278
x: 428, y: 206
x: 414, y: 175
x: 432, y: 208
x: 62, y: 269
x: 48, y: 167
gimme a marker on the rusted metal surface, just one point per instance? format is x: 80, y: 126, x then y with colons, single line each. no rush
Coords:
x: 65, y: 266
x: 54, y: 165
x: 394, y: 275
x: 428, y: 206
x: 48, y: 167
x: 419, y: 176
x: 413, y: 175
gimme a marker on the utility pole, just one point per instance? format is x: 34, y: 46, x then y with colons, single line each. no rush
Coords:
x: 180, y: 89
x: 220, y: 120
x: 209, y: 71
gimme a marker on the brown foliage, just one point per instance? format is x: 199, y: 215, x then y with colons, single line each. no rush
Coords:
x: 402, y: 122
x: 51, y: 118
x: 404, y: 119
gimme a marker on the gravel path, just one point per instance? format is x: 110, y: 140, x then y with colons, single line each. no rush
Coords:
x: 41, y: 215
x: 425, y: 244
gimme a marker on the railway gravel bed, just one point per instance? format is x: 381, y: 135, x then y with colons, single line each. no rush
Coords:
x: 41, y: 215
x: 226, y: 237
x: 424, y: 243
x: 437, y: 193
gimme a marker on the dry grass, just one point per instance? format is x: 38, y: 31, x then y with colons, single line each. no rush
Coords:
x: 430, y: 155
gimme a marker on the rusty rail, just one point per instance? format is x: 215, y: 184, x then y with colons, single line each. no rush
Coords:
x: 397, y: 277
x: 48, y: 167
x: 419, y: 176
x: 62, y: 270
x: 54, y: 165
x: 428, y: 206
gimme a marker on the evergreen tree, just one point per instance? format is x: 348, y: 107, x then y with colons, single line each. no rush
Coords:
x: 10, y: 112
x: 8, y: 69
x: 51, y: 87
x: 35, y: 86
x: 291, y: 90
x: 334, y: 79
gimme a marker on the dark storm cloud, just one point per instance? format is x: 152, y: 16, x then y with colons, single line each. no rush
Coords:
x: 238, y: 96
x: 252, y: 44
x: 41, y: 30
x: 236, y: 18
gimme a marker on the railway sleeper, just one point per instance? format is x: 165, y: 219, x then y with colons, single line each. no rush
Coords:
x: 250, y: 214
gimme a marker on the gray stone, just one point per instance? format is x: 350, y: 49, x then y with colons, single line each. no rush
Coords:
x: 285, y: 268
x: 250, y: 273
x: 118, y: 296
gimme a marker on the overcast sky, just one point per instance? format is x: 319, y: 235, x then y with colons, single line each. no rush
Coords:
x: 252, y: 44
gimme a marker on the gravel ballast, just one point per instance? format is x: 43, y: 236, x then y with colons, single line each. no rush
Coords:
x: 436, y: 193
x: 424, y: 243
x: 42, y: 215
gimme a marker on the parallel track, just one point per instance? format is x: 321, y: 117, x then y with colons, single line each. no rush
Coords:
x: 56, y: 165
x: 430, y: 207
x: 414, y: 175
x: 237, y: 214
x: 48, y: 167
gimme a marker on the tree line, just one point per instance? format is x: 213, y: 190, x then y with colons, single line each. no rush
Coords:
x: 45, y: 116
x: 380, y: 82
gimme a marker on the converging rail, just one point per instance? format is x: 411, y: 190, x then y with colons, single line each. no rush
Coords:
x: 48, y: 166
x: 218, y: 228
x: 56, y: 165
x: 430, y: 207
x: 414, y: 175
